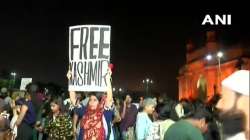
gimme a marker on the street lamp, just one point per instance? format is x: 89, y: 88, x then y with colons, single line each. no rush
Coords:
x: 147, y: 82
x: 219, y: 55
x: 209, y: 57
x: 13, y: 74
x: 113, y: 89
x: 120, y: 89
x: 14, y: 77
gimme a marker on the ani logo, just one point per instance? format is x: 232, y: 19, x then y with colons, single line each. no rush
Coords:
x: 217, y: 20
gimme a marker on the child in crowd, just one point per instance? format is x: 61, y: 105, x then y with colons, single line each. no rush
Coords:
x: 59, y: 125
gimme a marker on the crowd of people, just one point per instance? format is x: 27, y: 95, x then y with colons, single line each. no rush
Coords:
x: 34, y: 115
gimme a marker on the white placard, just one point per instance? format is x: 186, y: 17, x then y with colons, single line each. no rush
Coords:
x: 25, y: 82
x: 89, y: 55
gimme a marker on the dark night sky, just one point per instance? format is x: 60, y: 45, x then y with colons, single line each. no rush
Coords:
x: 34, y: 41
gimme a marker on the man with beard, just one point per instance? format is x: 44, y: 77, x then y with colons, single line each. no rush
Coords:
x: 234, y: 106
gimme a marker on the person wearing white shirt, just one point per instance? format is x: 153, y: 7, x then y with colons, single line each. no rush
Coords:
x: 234, y: 106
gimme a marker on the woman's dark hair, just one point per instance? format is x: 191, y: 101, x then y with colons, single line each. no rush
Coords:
x: 98, y: 95
x: 173, y: 114
x: 188, y: 108
x: 184, y: 100
x: 202, y: 113
x: 59, y: 102
x: 32, y: 89
x: 165, y: 112
x: 215, y: 99
x: 20, y: 101
x: 125, y: 95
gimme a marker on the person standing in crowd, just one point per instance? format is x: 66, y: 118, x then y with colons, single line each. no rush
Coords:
x: 59, y: 125
x: 45, y: 112
x: 234, y: 106
x: 190, y: 128
x: 84, y: 98
x: 214, y: 127
x: 117, y: 119
x: 109, y: 116
x: 80, y: 111
x: 179, y: 110
x: 188, y: 107
x: 7, y: 98
x: 176, y: 111
x: 92, y: 116
x: 4, y: 120
x: 143, y: 122
x: 46, y: 109
x: 159, y: 127
x: 27, y: 117
x: 160, y: 104
x: 128, y: 116
x: 140, y: 104
x: 16, y: 109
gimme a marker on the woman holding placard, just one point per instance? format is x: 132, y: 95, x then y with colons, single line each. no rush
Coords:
x: 93, y: 124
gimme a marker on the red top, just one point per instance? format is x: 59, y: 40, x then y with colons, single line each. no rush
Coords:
x: 92, y: 123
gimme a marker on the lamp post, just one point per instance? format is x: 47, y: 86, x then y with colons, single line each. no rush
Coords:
x: 209, y: 57
x: 14, y: 78
x: 120, y: 89
x: 219, y: 55
x: 114, y: 89
x: 147, y: 82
